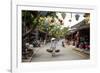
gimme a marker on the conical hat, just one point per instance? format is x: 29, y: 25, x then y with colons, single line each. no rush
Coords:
x: 53, y: 39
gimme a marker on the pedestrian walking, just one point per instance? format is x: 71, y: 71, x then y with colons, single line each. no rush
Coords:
x: 53, y: 44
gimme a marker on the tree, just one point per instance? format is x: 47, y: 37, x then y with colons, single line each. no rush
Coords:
x: 65, y: 31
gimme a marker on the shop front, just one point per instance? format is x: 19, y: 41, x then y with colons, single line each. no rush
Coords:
x: 80, y: 36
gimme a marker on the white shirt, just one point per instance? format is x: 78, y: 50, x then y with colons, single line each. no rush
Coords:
x: 53, y: 44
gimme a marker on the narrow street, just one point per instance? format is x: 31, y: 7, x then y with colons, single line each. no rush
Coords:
x: 66, y: 53
x: 38, y: 26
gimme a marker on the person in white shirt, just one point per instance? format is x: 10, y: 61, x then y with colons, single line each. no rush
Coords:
x: 53, y: 45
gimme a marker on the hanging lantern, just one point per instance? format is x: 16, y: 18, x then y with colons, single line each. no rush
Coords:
x: 77, y: 17
x: 70, y: 20
x: 52, y: 21
x: 86, y: 14
x: 87, y: 18
x: 61, y: 21
x: 63, y: 15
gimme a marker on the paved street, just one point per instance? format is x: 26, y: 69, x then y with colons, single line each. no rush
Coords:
x: 66, y: 53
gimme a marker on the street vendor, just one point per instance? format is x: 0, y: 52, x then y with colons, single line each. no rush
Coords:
x: 53, y: 49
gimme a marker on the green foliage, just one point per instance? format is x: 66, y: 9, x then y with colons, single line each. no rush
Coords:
x: 37, y: 19
x: 55, y: 31
x: 27, y: 17
x: 65, y: 31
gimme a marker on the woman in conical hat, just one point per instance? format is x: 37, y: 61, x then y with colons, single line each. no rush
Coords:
x: 53, y: 49
x: 53, y: 45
